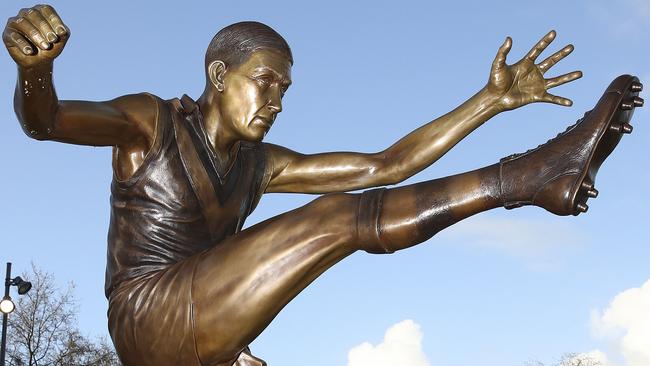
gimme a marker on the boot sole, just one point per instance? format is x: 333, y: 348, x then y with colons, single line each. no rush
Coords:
x: 617, y: 105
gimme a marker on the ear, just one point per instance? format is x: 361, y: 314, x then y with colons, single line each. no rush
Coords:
x: 216, y: 72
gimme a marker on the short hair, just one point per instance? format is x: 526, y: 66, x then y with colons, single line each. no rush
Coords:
x: 236, y: 42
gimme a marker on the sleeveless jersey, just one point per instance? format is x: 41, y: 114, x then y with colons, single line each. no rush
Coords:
x: 166, y: 212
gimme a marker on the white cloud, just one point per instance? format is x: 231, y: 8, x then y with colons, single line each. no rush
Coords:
x: 626, y: 322
x: 536, y: 241
x: 402, y: 345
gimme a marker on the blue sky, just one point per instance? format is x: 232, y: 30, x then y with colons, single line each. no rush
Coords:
x: 501, y: 288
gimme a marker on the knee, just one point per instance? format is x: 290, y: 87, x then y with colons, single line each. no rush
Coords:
x: 369, y: 231
x: 332, y: 214
x: 353, y: 218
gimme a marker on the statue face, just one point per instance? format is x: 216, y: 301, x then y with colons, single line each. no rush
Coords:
x: 252, y: 94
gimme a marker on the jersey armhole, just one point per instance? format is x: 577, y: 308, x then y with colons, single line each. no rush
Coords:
x: 151, y: 153
x: 264, y: 156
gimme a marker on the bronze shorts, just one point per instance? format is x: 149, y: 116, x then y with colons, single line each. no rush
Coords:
x: 150, y: 318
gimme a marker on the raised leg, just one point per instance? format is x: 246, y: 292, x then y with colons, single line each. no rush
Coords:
x: 242, y: 284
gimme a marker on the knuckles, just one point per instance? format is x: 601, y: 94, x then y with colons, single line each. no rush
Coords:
x: 46, y: 11
x: 43, y: 7
x: 29, y: 11
x: 14, y: 24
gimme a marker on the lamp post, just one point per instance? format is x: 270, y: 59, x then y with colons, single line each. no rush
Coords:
x: 7, y: 306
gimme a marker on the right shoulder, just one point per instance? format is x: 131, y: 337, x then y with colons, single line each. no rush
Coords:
x: 140, y: 109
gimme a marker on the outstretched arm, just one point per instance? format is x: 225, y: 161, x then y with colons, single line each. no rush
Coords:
x: 509, y: 87
x: 34, y: 38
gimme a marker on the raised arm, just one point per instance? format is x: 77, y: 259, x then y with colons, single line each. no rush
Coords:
x: 509, y: 87
x: 34, y: 38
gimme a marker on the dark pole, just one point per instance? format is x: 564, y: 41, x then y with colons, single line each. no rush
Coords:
x: 5, y: 317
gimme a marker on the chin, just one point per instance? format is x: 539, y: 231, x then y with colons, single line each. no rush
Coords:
x: 256, y: 133
x: 254, y: 136
x: 261, y: 137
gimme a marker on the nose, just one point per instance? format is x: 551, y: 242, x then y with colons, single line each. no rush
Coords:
x: 275, y: 100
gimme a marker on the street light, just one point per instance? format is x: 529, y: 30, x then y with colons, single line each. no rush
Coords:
x: 7, y: 306
x: 23, y: 286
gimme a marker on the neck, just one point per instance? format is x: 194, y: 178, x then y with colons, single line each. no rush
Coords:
x: 220, y: 138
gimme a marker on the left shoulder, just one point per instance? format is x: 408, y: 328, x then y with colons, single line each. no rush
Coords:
x: 255, y: 153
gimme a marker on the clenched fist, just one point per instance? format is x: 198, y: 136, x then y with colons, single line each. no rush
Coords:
x: 36, y: 36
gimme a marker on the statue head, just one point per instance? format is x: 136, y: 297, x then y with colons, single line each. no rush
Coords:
x: 248, y: 69
x: 235, y: 43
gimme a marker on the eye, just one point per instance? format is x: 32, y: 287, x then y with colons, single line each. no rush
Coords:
x: 263, y: 80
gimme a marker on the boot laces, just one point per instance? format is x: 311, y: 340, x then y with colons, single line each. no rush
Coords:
x: 516, y: 155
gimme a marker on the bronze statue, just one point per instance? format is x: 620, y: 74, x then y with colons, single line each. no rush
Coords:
x: 186, y: 285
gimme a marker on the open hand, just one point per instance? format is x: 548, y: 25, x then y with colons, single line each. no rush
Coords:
x: 523, y: 82
x: 35, y: 36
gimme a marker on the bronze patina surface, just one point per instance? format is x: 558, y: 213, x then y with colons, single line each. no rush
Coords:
x: 186, y: 285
